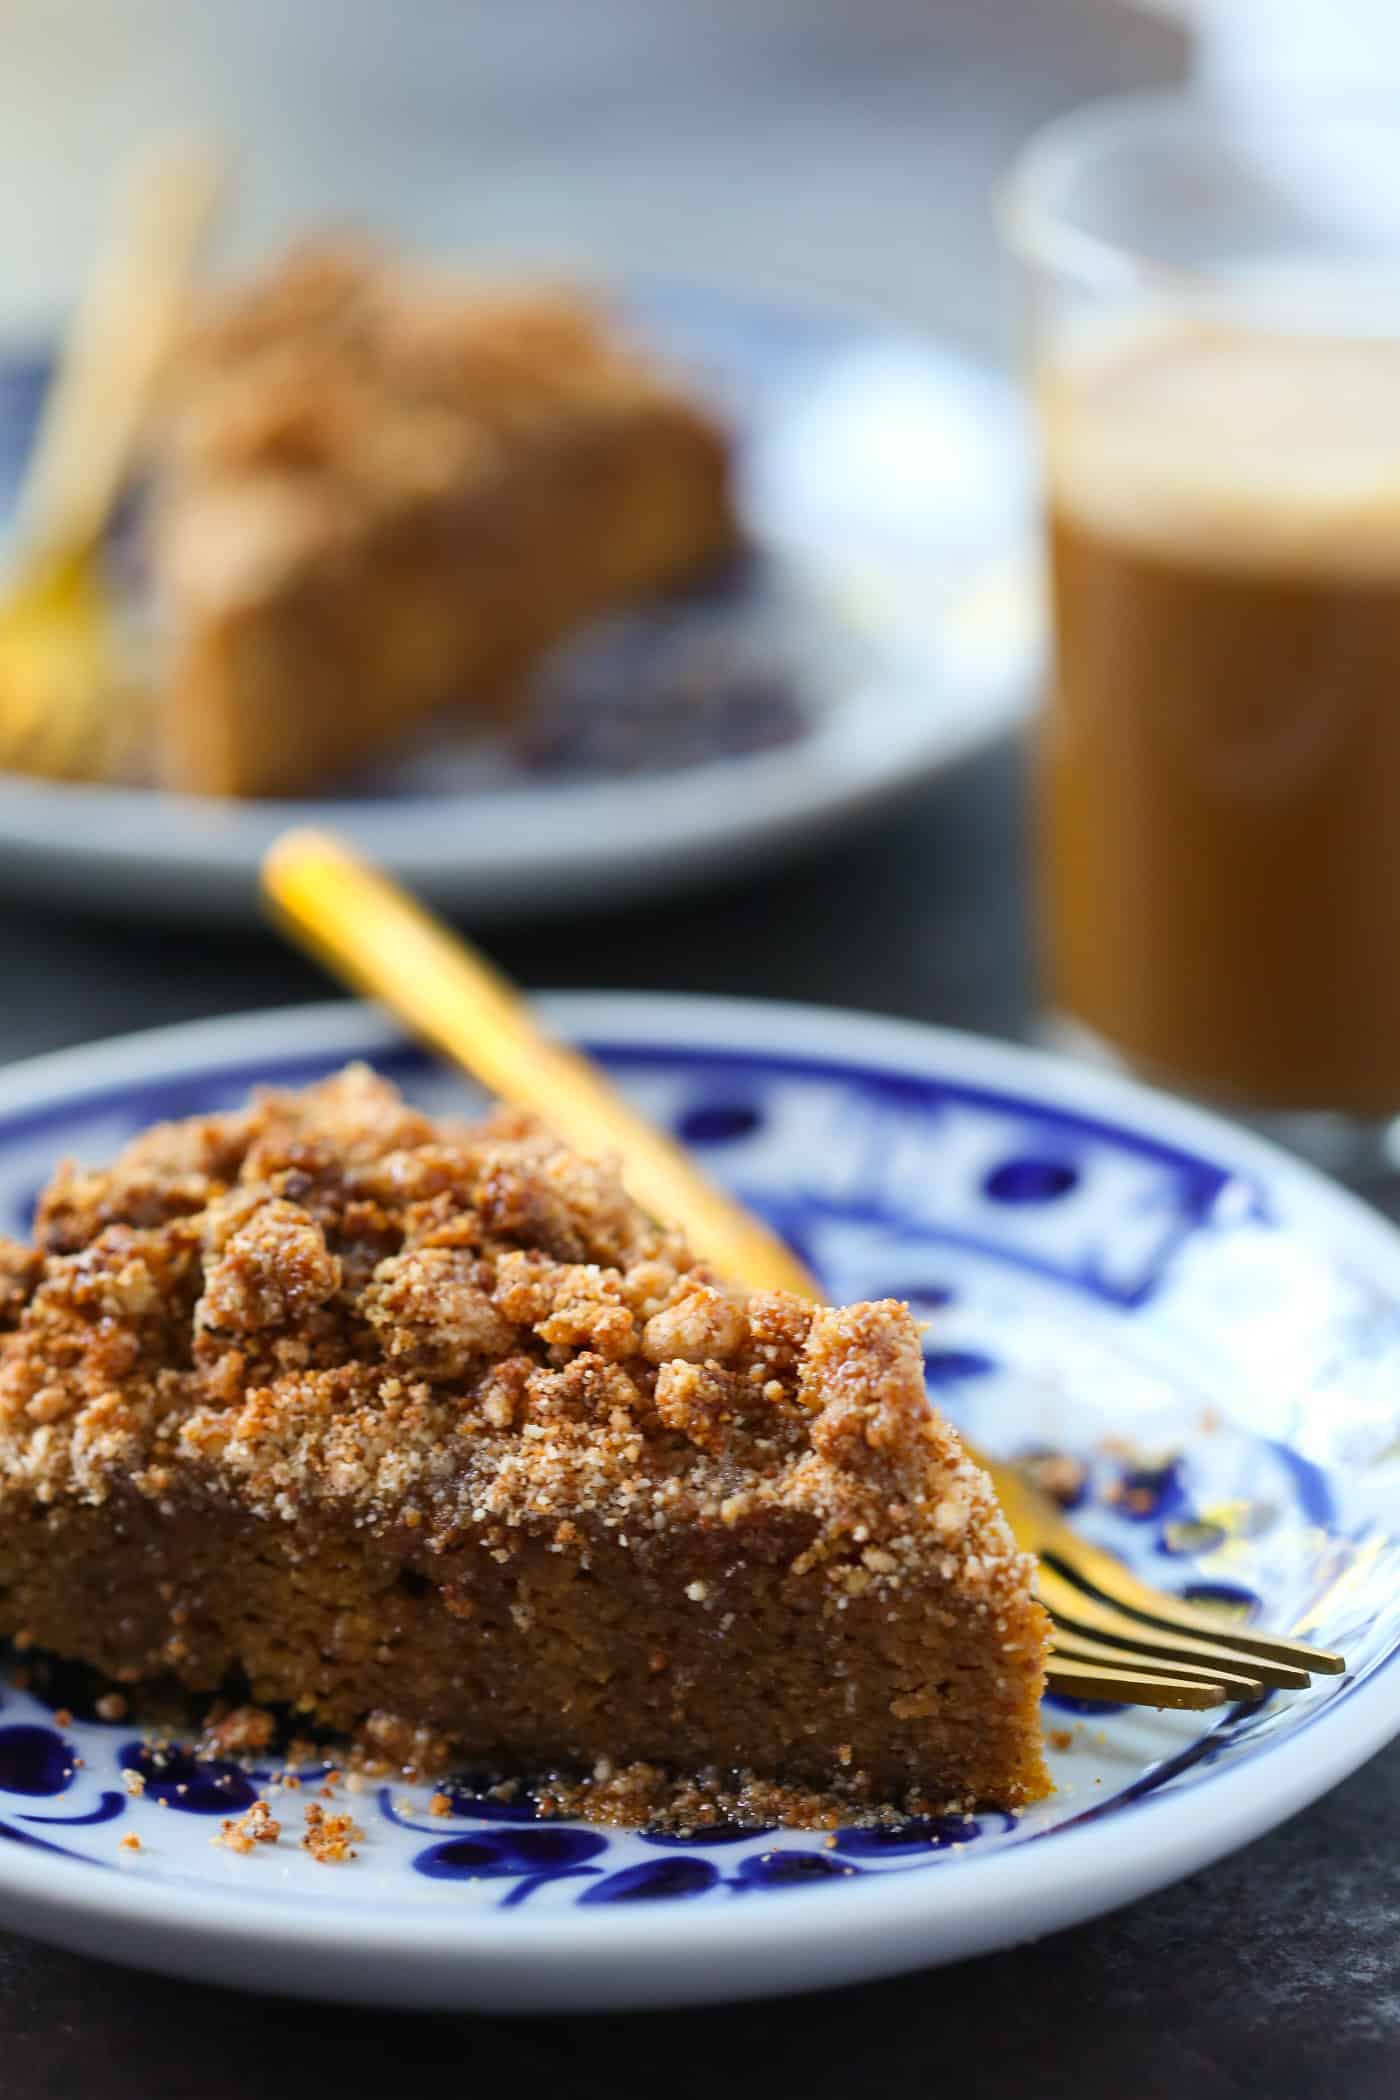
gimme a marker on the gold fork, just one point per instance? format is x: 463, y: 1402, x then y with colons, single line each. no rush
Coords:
x: 1114, y: 1637
x: 70, y: 706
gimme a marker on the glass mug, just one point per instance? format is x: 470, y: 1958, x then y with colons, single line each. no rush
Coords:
x: 1214, y: 339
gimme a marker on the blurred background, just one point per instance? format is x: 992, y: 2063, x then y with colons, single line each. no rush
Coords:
x: 819, y: 177
x: 811, y: 152
x: 844, y: 149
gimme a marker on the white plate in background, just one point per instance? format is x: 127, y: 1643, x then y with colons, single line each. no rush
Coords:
x: 887, y: 627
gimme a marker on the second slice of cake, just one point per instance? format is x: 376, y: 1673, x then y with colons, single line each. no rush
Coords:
x: 379, y: 489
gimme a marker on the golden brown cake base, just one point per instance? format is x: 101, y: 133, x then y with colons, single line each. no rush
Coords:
x: 431, y: 1437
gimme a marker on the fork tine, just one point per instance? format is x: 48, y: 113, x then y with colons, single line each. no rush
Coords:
x: 1063, y: 1600
x: 1082, y: 1680
x: 1040, y: 1529
x: 1079, y: 1647
x: 1122, y: 1588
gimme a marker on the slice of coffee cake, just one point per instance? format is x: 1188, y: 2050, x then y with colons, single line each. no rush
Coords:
x: 379, y: 490
x: 429, y: 1433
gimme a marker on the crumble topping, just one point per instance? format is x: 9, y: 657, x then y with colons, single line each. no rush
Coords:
x: 328, y: 1301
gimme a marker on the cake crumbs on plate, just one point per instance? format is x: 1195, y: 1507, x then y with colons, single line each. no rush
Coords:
x: 330, y: 1839
x: 440, y: 1805
x: 133, y: 1781
x: 131, y: 1843
x: 256, y: 1826
x: 654, y: 1798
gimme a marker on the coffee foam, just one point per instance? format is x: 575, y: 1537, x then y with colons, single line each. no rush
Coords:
x: 1251, y: 447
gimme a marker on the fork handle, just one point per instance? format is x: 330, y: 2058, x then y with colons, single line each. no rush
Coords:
x: 370, y: 931
x: 116, y: 344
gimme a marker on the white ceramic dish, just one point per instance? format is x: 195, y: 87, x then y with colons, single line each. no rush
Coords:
x: 1094, y: 1259
x: 887, y: 627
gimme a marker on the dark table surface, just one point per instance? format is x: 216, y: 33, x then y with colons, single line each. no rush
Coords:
x: 1274, y: 1975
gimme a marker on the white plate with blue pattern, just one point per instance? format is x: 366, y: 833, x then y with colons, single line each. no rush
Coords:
x: 886, y: 627
x: 1212, y: 1328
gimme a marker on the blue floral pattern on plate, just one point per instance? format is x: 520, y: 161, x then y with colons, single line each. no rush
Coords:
x: 1227, y: 1382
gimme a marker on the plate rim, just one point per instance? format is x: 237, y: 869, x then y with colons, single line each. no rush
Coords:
x: 809, y: 1940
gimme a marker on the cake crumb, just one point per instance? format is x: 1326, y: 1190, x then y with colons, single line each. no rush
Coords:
x: 440, y: 1805
x: 63, y: 1717
x: 112, y: 1706
x: 134, y: 1782
x: 330, y: 1839
x: 256, y: 1826
x: 239, y: 1731
x: 1060, y: 1738
x: 131, y: 1843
